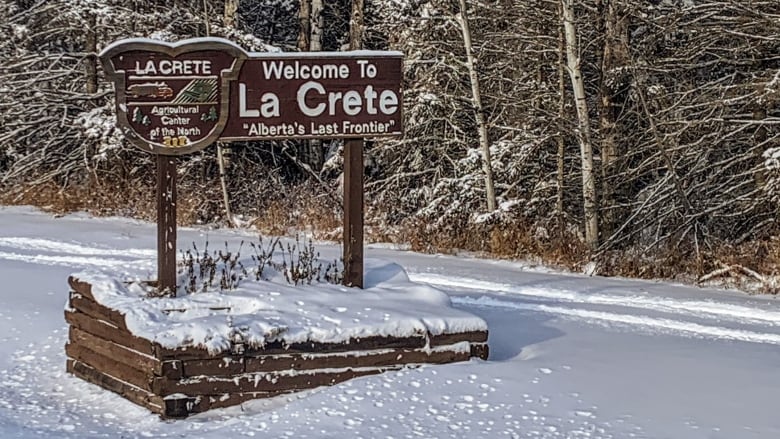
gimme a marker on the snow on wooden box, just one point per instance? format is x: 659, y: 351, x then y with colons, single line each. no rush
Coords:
x: 109, y: 346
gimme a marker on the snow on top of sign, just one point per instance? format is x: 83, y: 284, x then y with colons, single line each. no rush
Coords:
x: 269, y: 311
x: 141, y: 40
x: 347, y: 54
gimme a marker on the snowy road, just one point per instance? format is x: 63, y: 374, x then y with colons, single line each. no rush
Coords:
x: 571, y: 356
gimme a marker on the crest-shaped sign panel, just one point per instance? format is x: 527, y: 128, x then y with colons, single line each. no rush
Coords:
x: 172, y: 99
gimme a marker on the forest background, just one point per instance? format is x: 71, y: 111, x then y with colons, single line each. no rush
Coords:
x: 632, y: 138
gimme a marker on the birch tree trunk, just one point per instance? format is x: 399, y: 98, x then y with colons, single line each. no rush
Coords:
x: 490, y: 192
x: 310, y: 39
x: 304, y: 25
x: 317, y: 25
x: 316, y: 157
x: 227, y: 16
x: 230, y: 17
x: 583, y: 133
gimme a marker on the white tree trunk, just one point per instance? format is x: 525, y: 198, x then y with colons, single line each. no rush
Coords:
x: 230, y: 16
x: 317, y: 25
x: 586, y: 147
x: 220, y: 153
x: 490, y: 192
x: 314, y: 155
x: 304, y: 23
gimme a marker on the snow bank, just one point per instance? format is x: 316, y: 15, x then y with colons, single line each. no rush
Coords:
x: 262, y: 312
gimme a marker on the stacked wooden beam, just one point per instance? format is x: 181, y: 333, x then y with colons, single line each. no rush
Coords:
x: 178, y: 382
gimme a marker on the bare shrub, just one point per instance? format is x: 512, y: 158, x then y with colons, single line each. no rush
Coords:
x: 208, y: 270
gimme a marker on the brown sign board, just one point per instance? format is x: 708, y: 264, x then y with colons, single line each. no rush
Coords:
x: 178, y: 98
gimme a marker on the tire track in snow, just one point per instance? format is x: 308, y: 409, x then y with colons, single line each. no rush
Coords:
x: 38, y: 244
x: 69, y: 254
x: 689, y: 308
x: 71, y: 261
x: 652, y: 323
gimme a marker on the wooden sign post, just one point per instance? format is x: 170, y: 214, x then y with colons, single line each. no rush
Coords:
x: 166, y: 224
x: 353, y: 213
x: 176, y: 99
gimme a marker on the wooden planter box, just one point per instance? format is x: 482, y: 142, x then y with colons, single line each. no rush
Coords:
x: 176, y: 383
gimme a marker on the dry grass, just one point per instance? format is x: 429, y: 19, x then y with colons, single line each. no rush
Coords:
x: 515, y: 240
x: 301, y: 208
x: 101, y: 198
x: 95, y: 198
x: 752, y: 266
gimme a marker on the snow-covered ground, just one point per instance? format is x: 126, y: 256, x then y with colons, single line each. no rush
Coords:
x: 571, y: 356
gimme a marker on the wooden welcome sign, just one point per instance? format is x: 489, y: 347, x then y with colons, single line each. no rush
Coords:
x: 178, y: 98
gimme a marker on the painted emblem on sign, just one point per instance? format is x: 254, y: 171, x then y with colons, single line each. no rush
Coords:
x: 172, y: 99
